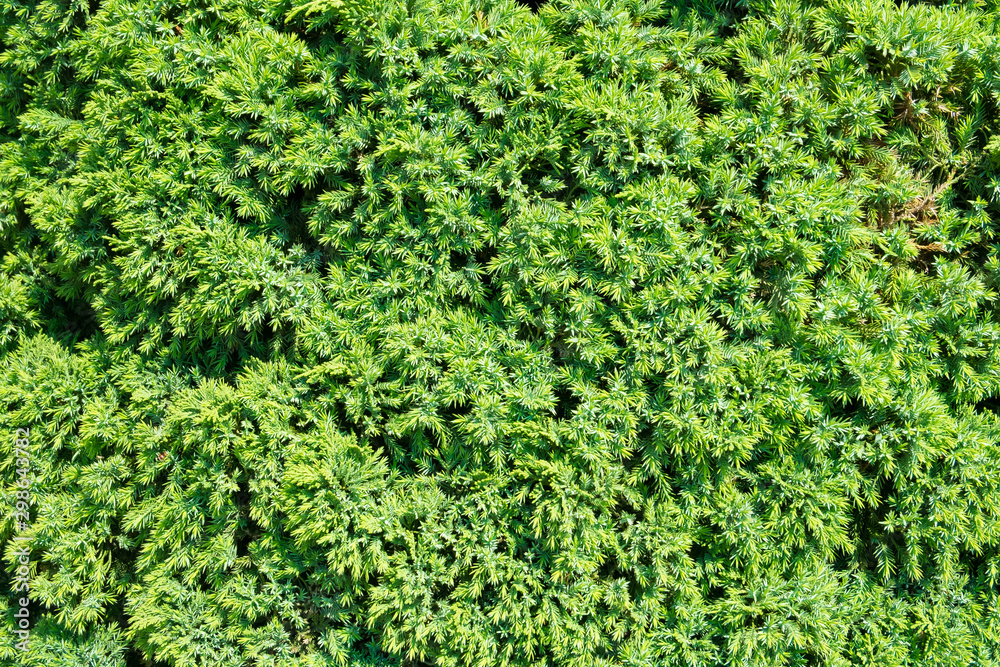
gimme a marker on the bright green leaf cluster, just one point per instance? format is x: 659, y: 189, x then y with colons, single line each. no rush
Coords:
x: 609, y: 333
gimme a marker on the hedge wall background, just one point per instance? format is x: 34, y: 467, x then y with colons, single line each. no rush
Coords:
x: 467, y: 334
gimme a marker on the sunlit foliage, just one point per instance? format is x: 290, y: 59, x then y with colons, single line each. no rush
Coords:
x: 460, y: 333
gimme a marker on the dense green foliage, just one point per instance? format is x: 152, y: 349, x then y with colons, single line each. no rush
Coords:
x: 453, y: 333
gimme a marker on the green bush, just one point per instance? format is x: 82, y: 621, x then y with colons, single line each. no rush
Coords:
x: 458, y: 333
